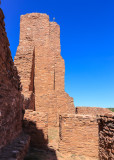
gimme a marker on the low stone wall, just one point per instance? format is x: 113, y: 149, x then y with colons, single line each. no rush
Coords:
x: 79, y: 135
x: 92, y: 111
x: 36, y: 125
x: 17, y: 149
x: 106, y: 137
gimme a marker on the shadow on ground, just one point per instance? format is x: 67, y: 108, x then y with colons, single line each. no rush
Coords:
x: 39, y: 149
x: 37, y: 154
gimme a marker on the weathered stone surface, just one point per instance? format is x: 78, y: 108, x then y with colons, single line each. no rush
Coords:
x: 92, y: 111
x: 41, y: 66
x: 79, y: 135
x: 42, y: 70
x: 106, y: 136
x: 11, y: 101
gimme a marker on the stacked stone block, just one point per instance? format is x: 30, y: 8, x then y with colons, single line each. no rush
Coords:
x: 106, y: 136
x: 79, y: 135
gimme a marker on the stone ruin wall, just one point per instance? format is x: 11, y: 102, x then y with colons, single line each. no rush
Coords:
x: 106, y: 136
x: 79, y: 135
x: 36, y: 66
x: 42, y: 70
x: 13, y: 142
x: 36, y: 125
x: 11, y: 101
x: 41, y: 67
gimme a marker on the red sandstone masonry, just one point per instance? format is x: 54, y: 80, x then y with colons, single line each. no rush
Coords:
x: 79, y: 135
x: 92, y: 110
x: 42, y: 69
x: 36, y: 125
x: 40, y: 40
x: 11, y: 101
x: 106, y: 136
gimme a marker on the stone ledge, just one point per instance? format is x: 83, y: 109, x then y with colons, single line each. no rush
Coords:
x: 110, y: 115
x: 17, y: 149
x: 78, y: 116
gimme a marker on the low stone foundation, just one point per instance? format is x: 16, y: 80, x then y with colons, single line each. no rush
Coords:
x: 17, y: 149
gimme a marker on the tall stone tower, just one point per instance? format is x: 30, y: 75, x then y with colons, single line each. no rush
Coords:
x: 41, y: 67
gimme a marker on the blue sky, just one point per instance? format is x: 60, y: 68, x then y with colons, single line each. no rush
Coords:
x: 87, y: 44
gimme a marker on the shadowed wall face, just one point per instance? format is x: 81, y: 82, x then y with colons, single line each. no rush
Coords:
x: 41, y: 66
x: 11, y: 101
x: 106, y: 136
x: 36, y: 125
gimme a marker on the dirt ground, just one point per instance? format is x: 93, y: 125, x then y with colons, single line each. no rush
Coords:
x: 50, y: 154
